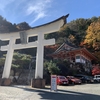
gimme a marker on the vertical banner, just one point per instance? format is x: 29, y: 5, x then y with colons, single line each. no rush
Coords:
x: 54, y: 82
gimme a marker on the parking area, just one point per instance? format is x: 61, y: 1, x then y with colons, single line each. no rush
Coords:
x: 75, y: 92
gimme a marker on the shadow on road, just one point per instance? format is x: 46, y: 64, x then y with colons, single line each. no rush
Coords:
x: 46, y: 94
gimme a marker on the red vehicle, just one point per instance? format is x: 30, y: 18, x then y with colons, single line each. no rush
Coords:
x: 73, y: 80
x: 62, y: 80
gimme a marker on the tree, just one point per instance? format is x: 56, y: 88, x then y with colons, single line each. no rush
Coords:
x: 92, y: 37
x: 23, y: 26
x: 96, y: 70
x: 64, y: 67
x: 6, y: 26
x: 52, y: 67
x: 21, y: 59
x: 97, y: 54
x: 2, y: 60
x: 19, y: 62
x: 79, y: 27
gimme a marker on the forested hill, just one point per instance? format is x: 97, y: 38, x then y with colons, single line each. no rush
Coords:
x: 6, y: 27
x: 81, y: 32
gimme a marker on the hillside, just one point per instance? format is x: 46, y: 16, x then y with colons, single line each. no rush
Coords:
x: 81, y: 32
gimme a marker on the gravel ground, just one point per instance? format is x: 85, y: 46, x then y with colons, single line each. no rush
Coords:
x: 76, y: 92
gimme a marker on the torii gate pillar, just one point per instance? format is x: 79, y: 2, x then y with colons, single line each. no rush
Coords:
x: 40, y: 43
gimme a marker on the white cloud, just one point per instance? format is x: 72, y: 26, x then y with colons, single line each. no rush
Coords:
x: 38, y: 9
x: 32, y: 9
x: 40, y: 15
x: 4, y: 3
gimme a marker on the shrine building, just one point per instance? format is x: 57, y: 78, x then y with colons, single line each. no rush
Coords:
x: 68, y: 51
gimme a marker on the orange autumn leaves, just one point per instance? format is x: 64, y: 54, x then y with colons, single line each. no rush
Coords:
x: 96, y: 70
x: 92, y: 37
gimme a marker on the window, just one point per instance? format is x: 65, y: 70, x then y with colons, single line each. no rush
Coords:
x: 77, y: 59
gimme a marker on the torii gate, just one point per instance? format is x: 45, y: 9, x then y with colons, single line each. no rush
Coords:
x: 40, y: 43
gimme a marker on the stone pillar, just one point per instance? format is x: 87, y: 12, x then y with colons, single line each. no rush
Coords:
x: 5, y: 82
x: 39, y: 82
x: 39, y: 57
x: 8, y: 62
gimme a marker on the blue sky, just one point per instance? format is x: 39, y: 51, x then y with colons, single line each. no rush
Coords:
x: 38, y: 12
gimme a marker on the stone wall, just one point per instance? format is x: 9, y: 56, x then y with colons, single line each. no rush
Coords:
x: 21, y: 77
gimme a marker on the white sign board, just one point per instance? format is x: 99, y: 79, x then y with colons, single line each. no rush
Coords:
x: 53, y: 82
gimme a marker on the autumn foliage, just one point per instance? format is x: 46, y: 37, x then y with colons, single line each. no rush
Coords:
x: 96, y: 70
x: 92, y: 37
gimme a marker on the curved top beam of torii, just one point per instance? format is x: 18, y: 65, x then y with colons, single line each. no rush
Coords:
x: 45, y: 29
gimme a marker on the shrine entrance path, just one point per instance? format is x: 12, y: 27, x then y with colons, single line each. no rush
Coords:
x: 76, y: 92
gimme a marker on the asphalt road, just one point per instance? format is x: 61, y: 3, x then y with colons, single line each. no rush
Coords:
x: 76, y: 92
